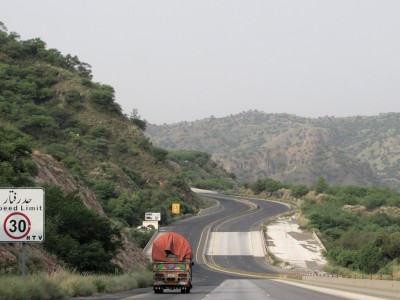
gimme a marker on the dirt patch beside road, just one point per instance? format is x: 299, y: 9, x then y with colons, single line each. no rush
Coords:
x: 294, y: 246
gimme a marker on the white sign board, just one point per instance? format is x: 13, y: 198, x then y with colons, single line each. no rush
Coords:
x: 149, y: 216
x: 22, y: 215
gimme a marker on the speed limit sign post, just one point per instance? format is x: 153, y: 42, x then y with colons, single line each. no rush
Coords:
x: 22, y: 215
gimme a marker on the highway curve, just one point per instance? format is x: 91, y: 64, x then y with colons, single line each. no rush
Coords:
x: 235, y: 217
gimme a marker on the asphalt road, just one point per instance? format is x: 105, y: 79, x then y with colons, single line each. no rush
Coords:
x: 208, y: 283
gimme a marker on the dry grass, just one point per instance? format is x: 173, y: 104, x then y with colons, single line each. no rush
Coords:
x: 63, y: 284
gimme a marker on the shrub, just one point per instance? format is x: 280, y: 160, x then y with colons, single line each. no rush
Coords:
x: 58, y: 151
x: 40, y: 126
x: 343, y: 257
x: 74, y: 98
x: 78, y: 236
x: 141, y: 238
x: 299, y: 190
x: 103, y: 97
x: 213, y: 184
x: 125, y: 209
x: 98, y: 146
x: 135, y: 176
x: 370, y: 259
x: 15, y: 162
x: 104, y: 189
x: 373, y: 202
x: 101, y: 132
x: 258, y: 186
x: 321, y: 186
x: 159, y: 154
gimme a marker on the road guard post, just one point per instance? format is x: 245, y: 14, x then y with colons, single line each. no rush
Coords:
x: 22, y: 217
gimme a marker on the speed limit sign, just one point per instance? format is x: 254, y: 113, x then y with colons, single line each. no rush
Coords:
x: 22, y: 215
x: 17, y: 225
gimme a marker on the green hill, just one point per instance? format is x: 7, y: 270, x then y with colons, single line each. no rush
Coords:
x: 63, y: 131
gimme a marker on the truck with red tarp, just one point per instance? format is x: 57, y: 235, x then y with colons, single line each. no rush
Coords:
x: 172, y: 263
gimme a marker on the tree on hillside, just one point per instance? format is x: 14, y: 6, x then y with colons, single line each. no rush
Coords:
x: 104, y: 97
x: 272, y: 186
x: 258, y: 186
x: 299, y: 190
x: 137, y: 120
x: 16, y: 165
x: 321, y: 186
x: 78, y: 236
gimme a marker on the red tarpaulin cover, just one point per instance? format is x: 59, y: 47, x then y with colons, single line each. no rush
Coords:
x: 174, y: 243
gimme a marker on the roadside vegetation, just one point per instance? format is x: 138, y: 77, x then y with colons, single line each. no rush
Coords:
x: 359, y: 226
x: 64, y: 284
x: 201, y: 171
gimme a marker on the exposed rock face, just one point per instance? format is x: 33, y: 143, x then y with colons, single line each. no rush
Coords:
x: 10, y: 255
x: 254, y: 145
x: 52, y: 171
x: 131, y: 256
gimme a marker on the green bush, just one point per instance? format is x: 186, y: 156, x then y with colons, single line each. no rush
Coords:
x: 299, y: 190
x: 266, y: 185
x: 141, y: 237
x: 125, y: 209
x: 321, y: 186
x: 370, y: 259
x: 74, y: 98
x: 58, y: 151
x: 390, y: 244
x: 40, y: 126
x: 78, y: 236
x: 159, y: 154
x: 104, y: 189
x: 98, y: 146
x: 103, y: 96
x: 100, y: 132
x: 258, y: 186
x: 373, y: 202
x: 333, y: 233
x: 16, y: 164
x: 135, y: 176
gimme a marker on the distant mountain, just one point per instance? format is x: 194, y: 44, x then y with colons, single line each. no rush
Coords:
x: 355, y: 150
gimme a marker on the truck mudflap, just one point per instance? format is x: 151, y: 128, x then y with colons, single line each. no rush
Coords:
x: 184, y: 289
x: 172, y: 284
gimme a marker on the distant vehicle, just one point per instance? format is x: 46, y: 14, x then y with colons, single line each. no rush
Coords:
x: 172, y: 263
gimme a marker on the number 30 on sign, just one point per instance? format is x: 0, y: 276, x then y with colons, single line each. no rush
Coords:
x: 17, y: 225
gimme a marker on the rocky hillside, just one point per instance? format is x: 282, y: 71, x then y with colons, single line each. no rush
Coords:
x: 51, y: 171
x: 62, y: 130
x: 353, y: 150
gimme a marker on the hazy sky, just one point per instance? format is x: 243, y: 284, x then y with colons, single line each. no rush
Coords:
x: 186, y: 60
